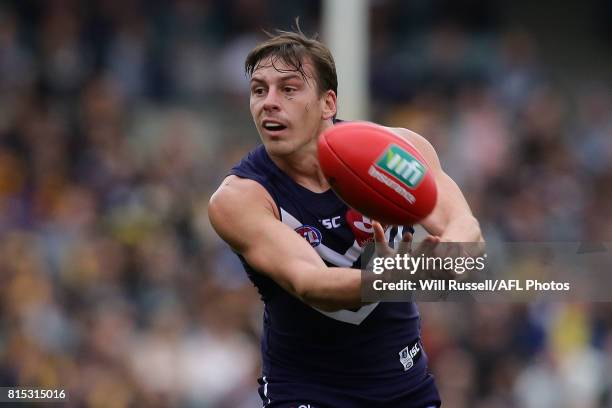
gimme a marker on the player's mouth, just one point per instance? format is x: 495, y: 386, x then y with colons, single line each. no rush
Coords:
x: 273, y: 127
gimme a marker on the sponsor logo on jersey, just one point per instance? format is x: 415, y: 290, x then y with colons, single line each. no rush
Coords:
x: 361, y: 226
x: 400, y: 164
x: 310, y: 234
x: 331, y: 223
x: 408, y: 355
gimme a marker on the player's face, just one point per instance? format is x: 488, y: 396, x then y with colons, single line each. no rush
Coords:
x: 288, y: 110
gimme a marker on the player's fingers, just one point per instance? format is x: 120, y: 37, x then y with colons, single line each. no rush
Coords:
x: 428, y: 245
x: 452, y: 249
x: 380, y: 241
x: 426, y: 248
x: 379, y: 232
x: 405, y: 245
x: 407, y: 237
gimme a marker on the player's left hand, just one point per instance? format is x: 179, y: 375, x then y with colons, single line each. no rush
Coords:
x: 439, y: 247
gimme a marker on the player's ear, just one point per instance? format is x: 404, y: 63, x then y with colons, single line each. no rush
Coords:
x: 328, y: 101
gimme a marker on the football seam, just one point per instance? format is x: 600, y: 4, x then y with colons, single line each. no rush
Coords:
x: 363, y: 181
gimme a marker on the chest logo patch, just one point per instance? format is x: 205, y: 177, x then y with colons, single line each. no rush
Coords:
x: 310, y: 234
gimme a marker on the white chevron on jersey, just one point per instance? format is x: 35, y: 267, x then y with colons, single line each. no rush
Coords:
x: 343, y: 260
x: 355, y: 250
x: 348, y: 316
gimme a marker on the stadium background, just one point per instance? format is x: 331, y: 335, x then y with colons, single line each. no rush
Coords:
x: 119, y: 118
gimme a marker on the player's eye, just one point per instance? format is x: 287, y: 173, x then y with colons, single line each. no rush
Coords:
x: 258, y: 91
x: 289, y: 89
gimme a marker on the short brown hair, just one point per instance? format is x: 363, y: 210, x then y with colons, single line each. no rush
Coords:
x: 293, y: 48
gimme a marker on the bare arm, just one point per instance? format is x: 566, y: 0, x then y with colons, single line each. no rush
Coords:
x: 451, y: 218
x: 245, y: 216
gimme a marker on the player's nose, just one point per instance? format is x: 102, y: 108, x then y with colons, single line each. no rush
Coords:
x: 272, y: 101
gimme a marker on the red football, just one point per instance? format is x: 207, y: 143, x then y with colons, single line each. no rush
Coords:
x: 377, y: 172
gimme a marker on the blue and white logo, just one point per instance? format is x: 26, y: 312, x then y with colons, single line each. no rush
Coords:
x: 310, y: 234
x: 408, y: 355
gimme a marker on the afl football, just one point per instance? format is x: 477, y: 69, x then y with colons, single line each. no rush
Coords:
x: 377, y: 172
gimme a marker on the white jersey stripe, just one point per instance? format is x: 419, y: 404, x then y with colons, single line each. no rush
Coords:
x: 289, y: 219
x: 354, y: 251
x: 348, y: 316
x: 265, y: 392
x: 343, y: 260
x: 334, y: 257
x: 346, y: 260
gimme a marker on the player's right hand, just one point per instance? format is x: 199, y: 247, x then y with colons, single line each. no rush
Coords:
x: 383, y: 249
x: 426, y: 248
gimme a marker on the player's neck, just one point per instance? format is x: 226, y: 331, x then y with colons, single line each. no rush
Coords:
x: 303, y: 166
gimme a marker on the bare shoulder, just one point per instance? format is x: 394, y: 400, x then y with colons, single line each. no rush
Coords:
x: 422, y: 145
x: 237, y: 193
x: 235, y: 202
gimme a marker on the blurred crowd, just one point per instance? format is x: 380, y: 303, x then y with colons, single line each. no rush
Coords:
x: 118, y: 119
